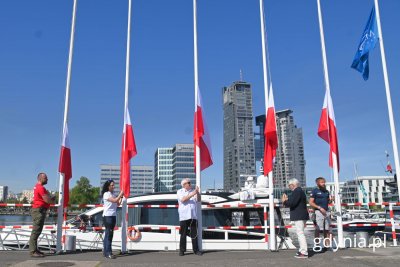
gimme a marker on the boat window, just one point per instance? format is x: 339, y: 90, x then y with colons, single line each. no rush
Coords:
x: 159, y: 216
x: 217, y: 217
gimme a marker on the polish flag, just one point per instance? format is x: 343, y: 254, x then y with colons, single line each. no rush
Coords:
x: 201, y: 136
x: 270, y: 135
x: 327, y: 128
x: 64, y: 166
x: 128, y: 151
x: 389, y: 168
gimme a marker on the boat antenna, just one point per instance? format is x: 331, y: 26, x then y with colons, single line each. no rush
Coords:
x: 241, y: 75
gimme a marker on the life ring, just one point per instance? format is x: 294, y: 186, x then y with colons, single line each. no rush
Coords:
x: 137, y: 235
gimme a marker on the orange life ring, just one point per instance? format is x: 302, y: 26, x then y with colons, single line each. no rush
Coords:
x: 137, y: 235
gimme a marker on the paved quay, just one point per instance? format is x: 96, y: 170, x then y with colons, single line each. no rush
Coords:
x: 349, y: 257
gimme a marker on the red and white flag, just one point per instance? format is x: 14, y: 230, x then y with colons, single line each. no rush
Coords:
x: 327, y: 128
x: 65, y: 166
x: 128, y: 151
x: 201, y: 136
x: 389, y: 168
x: 270, y: 135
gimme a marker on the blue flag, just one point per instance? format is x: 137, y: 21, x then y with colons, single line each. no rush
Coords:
x: 367, y: 43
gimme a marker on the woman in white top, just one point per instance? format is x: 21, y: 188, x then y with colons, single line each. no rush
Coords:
x: 111, y: 202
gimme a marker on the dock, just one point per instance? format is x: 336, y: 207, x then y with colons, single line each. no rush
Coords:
x: 389, y: 256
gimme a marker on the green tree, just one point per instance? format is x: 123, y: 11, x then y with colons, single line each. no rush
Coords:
x: 84, y: 193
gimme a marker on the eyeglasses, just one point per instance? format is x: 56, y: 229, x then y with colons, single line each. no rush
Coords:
x: 186, y: 183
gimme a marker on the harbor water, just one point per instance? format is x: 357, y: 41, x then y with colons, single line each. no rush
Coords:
x: 21, y: 220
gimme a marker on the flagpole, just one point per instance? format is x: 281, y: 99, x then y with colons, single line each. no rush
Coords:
x: 60, y: 209
x: 197, y: 148
x: 388, y: 95
x: 124, y: 212
x: 338, y: 205
x: 272, y: 237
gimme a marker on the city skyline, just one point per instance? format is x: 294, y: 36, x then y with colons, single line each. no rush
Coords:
x: 34, y: 53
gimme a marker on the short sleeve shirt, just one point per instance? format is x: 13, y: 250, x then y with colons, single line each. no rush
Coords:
x: 110, y: 208
x: 186, y: 210
x: 38, y: 192
x: 321, y: 197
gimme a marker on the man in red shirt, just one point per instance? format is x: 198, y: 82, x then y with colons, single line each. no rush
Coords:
x: 41, y: 202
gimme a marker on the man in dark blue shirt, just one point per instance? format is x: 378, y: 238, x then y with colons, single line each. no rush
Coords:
x: 319, y: 200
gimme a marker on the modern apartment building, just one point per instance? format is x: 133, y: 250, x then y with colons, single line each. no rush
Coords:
x: 239, y: 154
x: 3, y: 193
x: 171, y: 165
x: 289, y: 161
x: 142, y: 178
x: 365, y: 189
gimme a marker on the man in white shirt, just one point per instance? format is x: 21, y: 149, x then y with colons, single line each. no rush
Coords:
x: 188, y: 199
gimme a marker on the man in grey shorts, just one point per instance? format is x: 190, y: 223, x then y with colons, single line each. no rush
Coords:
x: 319, y: 200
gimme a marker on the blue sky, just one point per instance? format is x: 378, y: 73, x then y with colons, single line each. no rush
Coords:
x: 33, y: 61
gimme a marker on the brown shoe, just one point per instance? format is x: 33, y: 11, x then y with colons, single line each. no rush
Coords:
x: 36, y: 255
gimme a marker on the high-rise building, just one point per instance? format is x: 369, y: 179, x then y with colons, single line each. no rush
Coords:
x: 3, y: 193
x: 163, y: 170
x: 142, y: 178
x: 172, y: 165
x: 183, y: 165
x: 239, y: 155
x: 259, y: 138
x: 289, y: 161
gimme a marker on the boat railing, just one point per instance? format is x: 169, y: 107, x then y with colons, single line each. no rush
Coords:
x: 392, y: 222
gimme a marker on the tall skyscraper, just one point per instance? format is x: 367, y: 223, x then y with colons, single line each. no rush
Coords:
x: 183, y: 165
x: 142, y: 178
x: 3, y: 193
x: 259, y: 138
x: 239, y: 156
x: 289, y: 161
x: 163, y: 170
x: 172, y: 165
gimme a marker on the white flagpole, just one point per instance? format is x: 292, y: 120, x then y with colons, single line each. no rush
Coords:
x: 60, y: 209
x: 197, y: 149
x: 124, y: 212
x: 272, y: 235
x: 338, y: 205
x: 388, y: 96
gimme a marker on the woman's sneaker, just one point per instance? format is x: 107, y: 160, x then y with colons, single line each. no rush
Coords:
x: 300, y: 255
